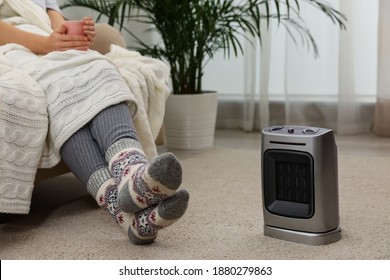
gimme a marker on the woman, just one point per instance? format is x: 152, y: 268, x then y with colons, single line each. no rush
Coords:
x: 91, y: 110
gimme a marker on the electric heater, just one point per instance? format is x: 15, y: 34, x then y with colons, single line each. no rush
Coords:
x: 300, y: 184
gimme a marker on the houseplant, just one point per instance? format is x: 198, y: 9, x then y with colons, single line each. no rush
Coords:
x: 192, y: 32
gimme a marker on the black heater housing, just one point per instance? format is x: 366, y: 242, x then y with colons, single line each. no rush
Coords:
x: 300, y: 184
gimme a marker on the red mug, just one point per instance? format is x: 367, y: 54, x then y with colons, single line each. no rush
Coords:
x: 74, y: 27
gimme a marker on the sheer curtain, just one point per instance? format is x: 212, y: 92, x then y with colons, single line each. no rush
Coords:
x: 285, y: 84
x: 382, y: 109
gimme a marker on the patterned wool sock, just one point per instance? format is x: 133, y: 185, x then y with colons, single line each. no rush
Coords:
x: 142, y: 184
x: 149, y: 221
x: 141, y: 227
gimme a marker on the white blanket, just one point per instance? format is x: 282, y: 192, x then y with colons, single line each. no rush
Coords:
x: 36, y: 119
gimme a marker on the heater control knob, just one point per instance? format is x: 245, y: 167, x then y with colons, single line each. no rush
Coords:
x: 276, y: 128
x: 290, y: 130
x: 310, y: 130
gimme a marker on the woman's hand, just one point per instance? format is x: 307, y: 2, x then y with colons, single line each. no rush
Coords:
x: 59, y: 41
x: 89, y: 29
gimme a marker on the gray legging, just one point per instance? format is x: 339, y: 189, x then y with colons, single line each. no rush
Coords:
x: 84, y: 152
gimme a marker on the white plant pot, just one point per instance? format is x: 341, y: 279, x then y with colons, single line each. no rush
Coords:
x: 189, y: 122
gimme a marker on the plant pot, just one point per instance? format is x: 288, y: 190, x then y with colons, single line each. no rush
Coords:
x: 189, y: 121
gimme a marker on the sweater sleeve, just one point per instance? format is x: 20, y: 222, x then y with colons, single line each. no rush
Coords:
x: 52, y: 4
x: 48, y: 4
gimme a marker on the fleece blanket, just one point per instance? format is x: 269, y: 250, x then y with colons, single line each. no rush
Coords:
x: 45, y: 99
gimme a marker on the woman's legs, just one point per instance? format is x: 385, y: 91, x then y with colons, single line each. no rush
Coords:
x: 82, y: 155
x: 113, y: 124
x: 141, y: 184
x: 138, y: 199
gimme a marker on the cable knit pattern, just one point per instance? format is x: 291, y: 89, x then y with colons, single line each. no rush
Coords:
x: 77, y: 85
x: 23, y: 129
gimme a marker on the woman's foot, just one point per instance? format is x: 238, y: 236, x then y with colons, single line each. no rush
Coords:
x: 142, y: 184
x: 149, y: 221
x: 142, y: 227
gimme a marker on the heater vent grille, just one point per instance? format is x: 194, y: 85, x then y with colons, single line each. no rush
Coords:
x: 293, y: 182
x: 289, y: 183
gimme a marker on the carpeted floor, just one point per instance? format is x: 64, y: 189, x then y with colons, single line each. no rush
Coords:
x: 224, y: 219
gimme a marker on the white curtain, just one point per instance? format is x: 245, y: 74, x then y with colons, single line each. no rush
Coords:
x: 285, y: 84
x: 382, y: 108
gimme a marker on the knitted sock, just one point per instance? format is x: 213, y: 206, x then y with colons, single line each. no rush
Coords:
x: 149, y: 221
x: 141, y: 227
x: 142, y: 184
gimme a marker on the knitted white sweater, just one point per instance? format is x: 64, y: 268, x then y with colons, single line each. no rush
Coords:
x: 45, y: 99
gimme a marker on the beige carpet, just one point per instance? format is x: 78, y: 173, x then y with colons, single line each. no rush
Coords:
x: 224, y: 219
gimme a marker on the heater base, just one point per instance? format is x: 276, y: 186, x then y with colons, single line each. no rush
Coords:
x: 307, y: 238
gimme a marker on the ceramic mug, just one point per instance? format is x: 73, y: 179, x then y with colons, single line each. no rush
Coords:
x: 74, y: 27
